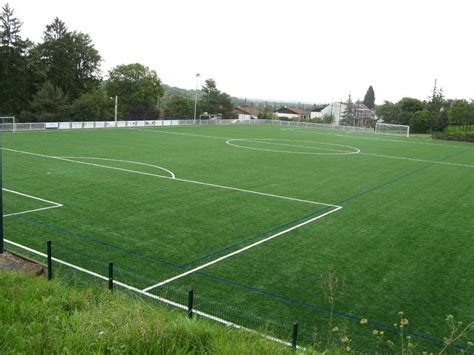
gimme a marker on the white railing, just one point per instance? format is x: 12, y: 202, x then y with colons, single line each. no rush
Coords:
x: 160, y: 123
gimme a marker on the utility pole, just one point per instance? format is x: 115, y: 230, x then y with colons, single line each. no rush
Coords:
x: 196, y: 97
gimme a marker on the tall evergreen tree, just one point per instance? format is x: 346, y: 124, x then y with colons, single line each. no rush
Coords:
x: 348, y: 116
x: 369, y: 98
x: 14, y: 81
x: 438, y: 109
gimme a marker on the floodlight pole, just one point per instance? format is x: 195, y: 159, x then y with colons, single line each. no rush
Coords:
x: 116, y: 106
x: 196, y: 97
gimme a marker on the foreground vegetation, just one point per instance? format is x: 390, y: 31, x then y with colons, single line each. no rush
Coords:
x: 37, y: 316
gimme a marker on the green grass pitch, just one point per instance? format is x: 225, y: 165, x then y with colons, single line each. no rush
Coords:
x: 390, y: 217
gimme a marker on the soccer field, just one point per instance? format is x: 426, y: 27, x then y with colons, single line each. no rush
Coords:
x: 266, y: 224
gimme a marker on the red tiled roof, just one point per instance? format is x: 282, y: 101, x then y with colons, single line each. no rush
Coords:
x: 247, y: 110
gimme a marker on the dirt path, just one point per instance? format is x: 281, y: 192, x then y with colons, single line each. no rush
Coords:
x: 14, y: 262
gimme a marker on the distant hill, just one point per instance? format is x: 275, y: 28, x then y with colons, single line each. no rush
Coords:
x: 237, y: 101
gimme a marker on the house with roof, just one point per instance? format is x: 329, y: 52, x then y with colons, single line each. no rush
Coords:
x: 317, y: 111
x: 363, y: 114
x: 291, y: 113
x: 246, y: 113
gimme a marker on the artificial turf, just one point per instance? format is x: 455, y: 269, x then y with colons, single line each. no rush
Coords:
x: 403, y: 239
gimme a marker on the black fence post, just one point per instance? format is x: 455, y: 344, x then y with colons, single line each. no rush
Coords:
x: 190, y: 303
x: 111, y: 277
x: 294, y: 336
x: 50, y: 260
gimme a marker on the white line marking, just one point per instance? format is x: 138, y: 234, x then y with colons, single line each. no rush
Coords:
x: 86, y: 163
x: 54, y: 204
x: 265, y: 141
x: 351, y: 135
x: 174, y: 179
x: 417, y: 160
x: 238, y: 251
x: 334, y: 134
x: 179, y: 133
x: 147, y: 294
x: 126, y: 161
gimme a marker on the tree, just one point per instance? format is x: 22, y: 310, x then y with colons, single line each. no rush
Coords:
x: 215, y: 102
x: 389, y: 112
x: 348, y: 116
x: 461, y: 113
x: 369, y: 99
x: 179, y: 107
x: 137, y: 87
x: 49, y: 103
x: 438, y: 108
x: 14, y: 66
x: 328, y: 118
x: 420, y: 121
x: 408, y: 107
x: 69, y: 59
x: 91, y: 106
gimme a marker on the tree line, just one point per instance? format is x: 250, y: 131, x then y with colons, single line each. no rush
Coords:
x: 60, y: 79
x: 432, y: 115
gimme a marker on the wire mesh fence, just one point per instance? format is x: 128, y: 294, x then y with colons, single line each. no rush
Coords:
x: 321, y: 333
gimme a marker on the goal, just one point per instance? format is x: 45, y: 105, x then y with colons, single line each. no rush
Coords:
x: 393, y: 129
x: 7, y: 124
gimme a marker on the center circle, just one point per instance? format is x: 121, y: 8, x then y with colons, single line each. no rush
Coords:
x: 292, y: 146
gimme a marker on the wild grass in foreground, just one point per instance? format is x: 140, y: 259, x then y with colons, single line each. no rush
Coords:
x: 40, y: 316
x: 37, y: 316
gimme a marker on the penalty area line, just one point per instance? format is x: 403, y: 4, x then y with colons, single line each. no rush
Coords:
x: 171, y: 178
x: 241, y: 250
x: 54, y: 204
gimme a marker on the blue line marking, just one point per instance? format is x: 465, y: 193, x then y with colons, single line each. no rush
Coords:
x: 255, y: 237
x: 254, y: 289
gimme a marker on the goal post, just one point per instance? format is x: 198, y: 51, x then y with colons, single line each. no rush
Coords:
x: 7, y: 124
x: 392, y: 129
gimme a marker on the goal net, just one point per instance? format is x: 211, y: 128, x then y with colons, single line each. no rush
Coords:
x: 393, y: 129
x: 7, y: 124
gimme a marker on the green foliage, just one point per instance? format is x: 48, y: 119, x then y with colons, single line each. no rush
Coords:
x: 348, y: 116
x: 388, y: 112
x: 461, y: 114
x: 421, y: 116
x: 137, y: 87
x: 179, y: 107
x: 40, y: 316
x: 369, y: 98
x: 14, y: 64
x: 328, y: 118
x: 421, y: 121
x: 214, y: 101
x: 69, y: 59
x: 92, y: 106
x: 438, y: 108
x: 266, y: 112
x: 49, y: 103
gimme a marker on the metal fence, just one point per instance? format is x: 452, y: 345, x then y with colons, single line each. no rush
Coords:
x: 39, y: 126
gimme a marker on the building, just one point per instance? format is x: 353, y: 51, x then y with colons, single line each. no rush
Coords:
x: 291, y: 113
x: 246, y: 113
x: 316, y: 111
x: 363, y: 114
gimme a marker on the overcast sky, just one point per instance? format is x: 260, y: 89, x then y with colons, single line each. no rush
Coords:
x: 302, y: 50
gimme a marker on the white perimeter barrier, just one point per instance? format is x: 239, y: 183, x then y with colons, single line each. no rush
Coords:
x: 39, y: 126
